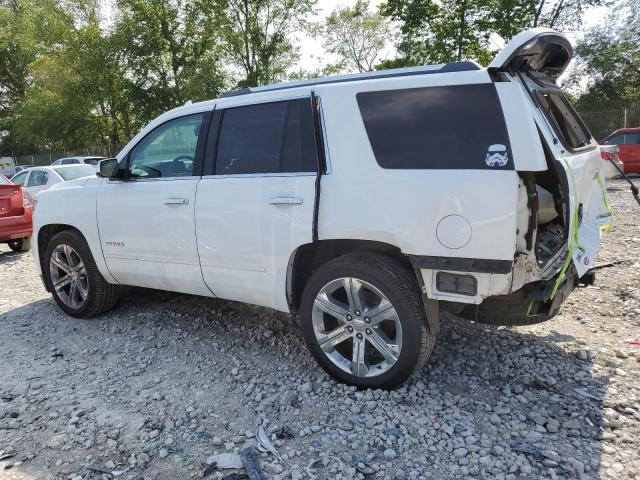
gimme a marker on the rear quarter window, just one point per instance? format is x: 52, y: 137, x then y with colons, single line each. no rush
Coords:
x: 447, y: 127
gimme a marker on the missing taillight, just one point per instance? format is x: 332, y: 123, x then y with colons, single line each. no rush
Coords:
x: 456, y: 283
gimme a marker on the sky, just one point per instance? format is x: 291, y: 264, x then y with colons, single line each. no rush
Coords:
x: 312, y: 54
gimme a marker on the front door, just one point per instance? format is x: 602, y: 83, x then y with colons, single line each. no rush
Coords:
x: 257, y: 205
x: 146, y: 224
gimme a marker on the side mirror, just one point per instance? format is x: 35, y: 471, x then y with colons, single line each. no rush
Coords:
x: 107, y: 167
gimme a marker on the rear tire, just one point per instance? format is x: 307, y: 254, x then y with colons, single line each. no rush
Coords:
x: 353, y: 343
x: 73, y: 265
x: 20, y: 244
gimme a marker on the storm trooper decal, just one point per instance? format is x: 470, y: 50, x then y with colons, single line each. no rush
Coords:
x: 497, y: 155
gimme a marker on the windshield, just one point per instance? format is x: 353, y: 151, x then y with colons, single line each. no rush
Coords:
x: 71, y: 173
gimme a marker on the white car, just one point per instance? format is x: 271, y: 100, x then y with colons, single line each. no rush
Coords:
x: 362, y: 203
x: 37, y: 179
x: 78, y: 161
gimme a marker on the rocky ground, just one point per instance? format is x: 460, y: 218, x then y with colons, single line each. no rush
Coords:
x: 156, y: 387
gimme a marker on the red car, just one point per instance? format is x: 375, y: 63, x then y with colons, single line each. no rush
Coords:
x: 628, y: 141
x: 16, y: 209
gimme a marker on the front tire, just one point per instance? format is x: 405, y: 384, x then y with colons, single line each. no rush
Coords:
x: 20, y: 244
x: 73, y: 278
x: 364, y: 321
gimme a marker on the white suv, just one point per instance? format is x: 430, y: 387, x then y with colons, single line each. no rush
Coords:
x: 362, y: 203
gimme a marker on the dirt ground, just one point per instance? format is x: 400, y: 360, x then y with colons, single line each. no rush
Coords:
x: 155, y: 387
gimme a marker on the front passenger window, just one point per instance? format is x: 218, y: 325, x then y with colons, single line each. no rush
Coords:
x: 169, y: 150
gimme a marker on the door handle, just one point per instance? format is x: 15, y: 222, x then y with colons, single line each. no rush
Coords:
x: 285, y: 201
x: 176, y: 201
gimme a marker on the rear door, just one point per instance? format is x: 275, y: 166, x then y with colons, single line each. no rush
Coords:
x: 534, y: 60
x: 255, y: 204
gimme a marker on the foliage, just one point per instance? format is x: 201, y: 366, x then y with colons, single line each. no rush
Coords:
x: 440, y: 31
x: 170, y: 52
x: 256, y: 35
x: 609, y: 56
x: 357, y: 36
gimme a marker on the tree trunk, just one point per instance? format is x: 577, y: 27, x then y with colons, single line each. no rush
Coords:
x: 463, y: 12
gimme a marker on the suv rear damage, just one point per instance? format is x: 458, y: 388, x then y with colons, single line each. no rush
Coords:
x: 561, y: 209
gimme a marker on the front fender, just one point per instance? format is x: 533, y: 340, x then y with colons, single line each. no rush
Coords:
x: 72, y: 206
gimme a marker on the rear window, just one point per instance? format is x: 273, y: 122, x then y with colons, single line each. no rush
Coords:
x: 631, y: 138
x: 92, y: 161
x: 19, y: 178
x: 4, y: 181
x: 275, y: 137
x: 449, y: 127
x: 71, y: 173
x: 568, y: 126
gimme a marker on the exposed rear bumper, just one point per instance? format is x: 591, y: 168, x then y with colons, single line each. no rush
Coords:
x: 16, y: 227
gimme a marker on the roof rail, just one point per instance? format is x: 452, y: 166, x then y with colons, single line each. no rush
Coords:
x: 464, y: 66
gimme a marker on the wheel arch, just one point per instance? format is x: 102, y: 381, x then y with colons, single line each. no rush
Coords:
x: 46, y: 232
x: 307, y: 258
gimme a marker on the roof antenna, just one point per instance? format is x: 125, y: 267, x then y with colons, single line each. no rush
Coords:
x: 188, y: 102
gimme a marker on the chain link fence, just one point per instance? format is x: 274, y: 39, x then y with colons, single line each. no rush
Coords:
x: 41, y: 159
x: 603, y: 122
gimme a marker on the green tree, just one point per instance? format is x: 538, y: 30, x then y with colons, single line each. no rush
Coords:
x: 171, y: 52
x: 76, y: 89
x: 606, y: 75
x: 435, y: 31
x: 441, y: 31
x: 257, y: 36
x: 357, y: 36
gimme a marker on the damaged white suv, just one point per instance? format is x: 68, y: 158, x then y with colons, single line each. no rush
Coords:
x: 363, y: 203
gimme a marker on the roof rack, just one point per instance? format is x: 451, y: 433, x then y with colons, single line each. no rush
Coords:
x: 464, y: 66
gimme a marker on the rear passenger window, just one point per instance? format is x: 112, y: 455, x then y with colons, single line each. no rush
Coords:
x: 273, y: 137
x: 37, y: 178
x: 452, y: 127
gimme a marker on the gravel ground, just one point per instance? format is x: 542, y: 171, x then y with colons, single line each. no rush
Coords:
x: 165, y: 381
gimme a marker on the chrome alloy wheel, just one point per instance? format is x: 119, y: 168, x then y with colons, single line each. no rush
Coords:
x: 69, y: 276
x: 357, y: 327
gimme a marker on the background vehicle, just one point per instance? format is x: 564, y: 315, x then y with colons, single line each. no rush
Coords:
x: 628, y: 142
x: 610, y: 155
x: 78, y: 160
x: 362, y: 203
x: 15, y: 216
x: 36, y: 179
x: 20, y: 168
x: 7, y: 166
